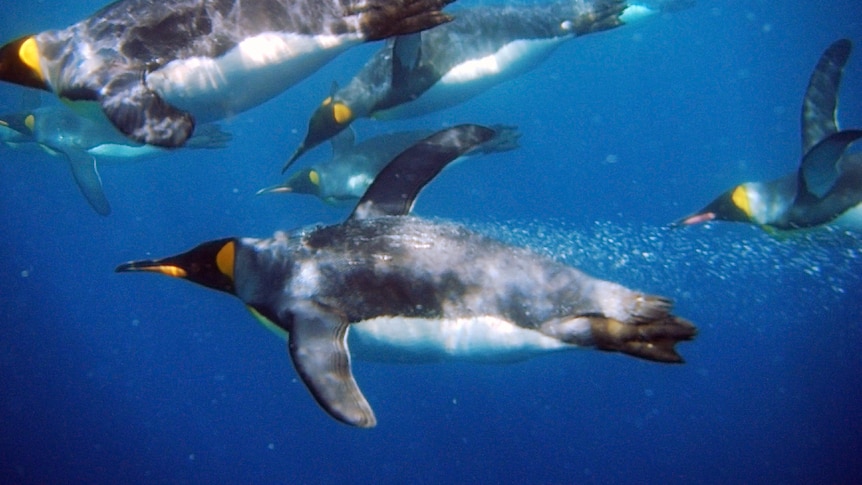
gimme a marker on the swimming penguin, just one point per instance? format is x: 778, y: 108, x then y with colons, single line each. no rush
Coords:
x: 83, y: 141
x: 827, y: 187
x: 398, y: 284
x: 352, y: 168
x: 484, y: 46
x: 157, y: 68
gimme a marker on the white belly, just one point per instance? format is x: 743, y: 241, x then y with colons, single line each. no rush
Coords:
x: 256, y: 70
x: 475, y: 76
x: 419, y: 340
x: 413, y: 340
x: 851, y: 219
x: 125, y: 152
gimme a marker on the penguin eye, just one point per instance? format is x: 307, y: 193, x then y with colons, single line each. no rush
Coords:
x: 314, y: 177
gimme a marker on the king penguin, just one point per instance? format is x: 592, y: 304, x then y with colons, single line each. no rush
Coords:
x: 484, y: 46
x: 346, y: 176
x: 84, y: 142
x: 384, y: 282
x: 826, y: 190
x: 157, y: 68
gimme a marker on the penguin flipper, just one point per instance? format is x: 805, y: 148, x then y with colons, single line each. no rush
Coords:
x: 821, y: 96
x: 406, y: 52
x: 395, y: 188
x: 819, y: 169
x: 210, y: 137
x: 317, y: 343
x: 387, y: 18
x: 143, y: 115
x: 87, y: 177
x: 342, y: 143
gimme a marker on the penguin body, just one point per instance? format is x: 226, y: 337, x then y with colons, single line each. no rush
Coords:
x: 418, y: 290
x: 83, y: 141
x: 826, y: 190
x: 346, y: 176
x: 156, y: 68
x: 447, y: 65
x: 352, y: 168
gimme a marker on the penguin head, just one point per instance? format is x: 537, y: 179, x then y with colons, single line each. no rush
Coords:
x: 735, y: 205
x: 17, y: 127
x: 211, y: 264
x: 305, y: 181
x: 330, y: 118
x: 19, y: 63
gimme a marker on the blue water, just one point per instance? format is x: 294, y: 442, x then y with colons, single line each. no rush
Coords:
x: 108, y: 378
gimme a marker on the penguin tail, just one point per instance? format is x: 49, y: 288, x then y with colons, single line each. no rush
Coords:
x: 651, y: 337
x: 381, y: 19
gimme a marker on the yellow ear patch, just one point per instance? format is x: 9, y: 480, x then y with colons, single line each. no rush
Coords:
x: 341, y: 113
x: 29, y: 55
x: 326, y: 101
x: 30, y: 122
x: 740, y: 199
x: 314, y: 177
x: 225, y: 259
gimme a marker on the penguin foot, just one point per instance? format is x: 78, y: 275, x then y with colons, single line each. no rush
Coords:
x: 651, y: 340
x: 382, y: 19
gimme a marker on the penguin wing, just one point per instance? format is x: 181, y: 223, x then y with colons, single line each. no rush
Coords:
x: 210, y: 137
x: 819, y: 169
x: 396, y: 186
x: 317, y: 343
x: 343, y: 142
x: 87, y: 177
x: 821, y: 96
x: 406, y: 54
x: 143, y: 115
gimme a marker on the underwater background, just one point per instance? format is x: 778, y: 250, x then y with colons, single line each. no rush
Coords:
x: 108, y: 378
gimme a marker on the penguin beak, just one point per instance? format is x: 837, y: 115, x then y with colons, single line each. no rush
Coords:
x: 305, y: 181
x: 298, y: 153
x: 14, y: 128
x: 694, y: 219
x: 152, y: 266
x: 275, y: 189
